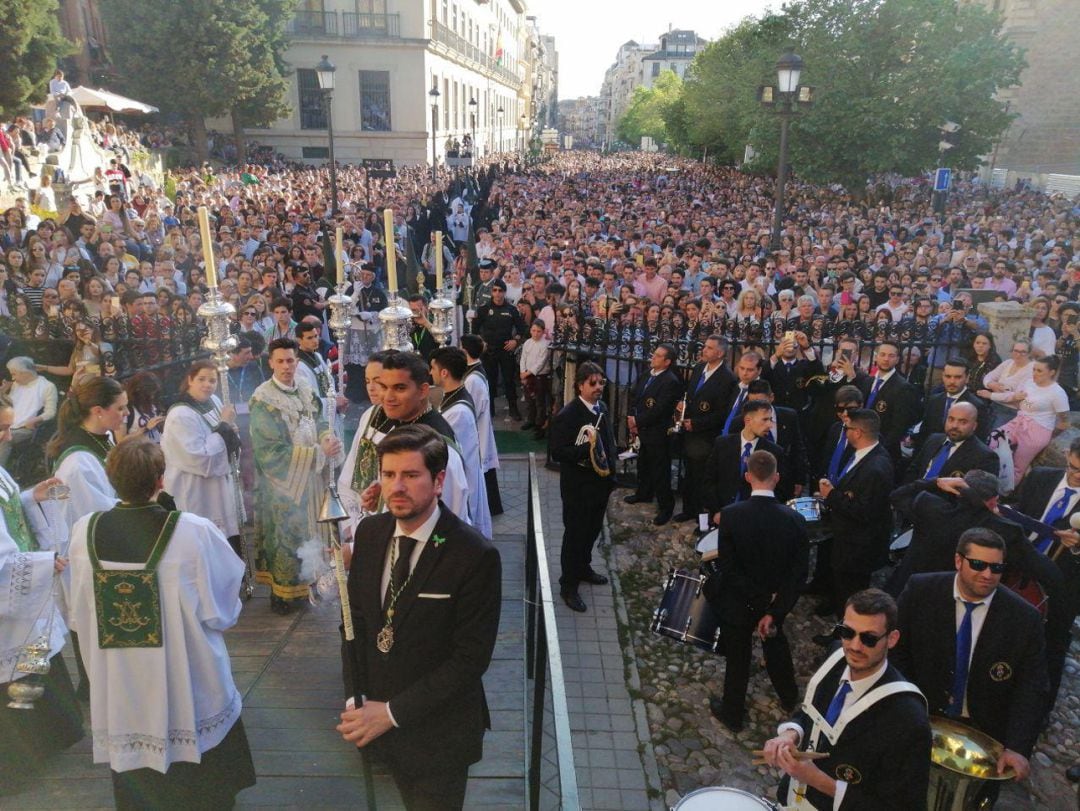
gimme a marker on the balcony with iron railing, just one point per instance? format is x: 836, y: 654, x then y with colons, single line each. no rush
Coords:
x: 352, y: 25
x: 313, y: 24
x: 458, y: 43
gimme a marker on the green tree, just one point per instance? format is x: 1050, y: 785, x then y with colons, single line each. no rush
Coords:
x: 30, y: 47
x: 648, y: 108
x: 887, y: 74
x: 204, y: 58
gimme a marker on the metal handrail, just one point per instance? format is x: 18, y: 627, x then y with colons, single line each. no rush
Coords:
x: 313, y: 23
x: 543, y: 654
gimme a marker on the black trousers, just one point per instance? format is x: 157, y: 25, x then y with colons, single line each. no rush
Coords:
x: 584, y: 503
x: 654, y: 472
x: 846, y: 583
x: 500, y: 362
x: 442, y: 790
x: 738, y: 646
x: 695, y: 456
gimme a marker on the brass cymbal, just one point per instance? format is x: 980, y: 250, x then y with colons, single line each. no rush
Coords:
x: 965, y: 750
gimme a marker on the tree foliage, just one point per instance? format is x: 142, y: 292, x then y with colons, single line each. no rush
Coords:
x: 887, y: 74
x: 204, y: 58
x: 649, y: 107
x: 30, y: 48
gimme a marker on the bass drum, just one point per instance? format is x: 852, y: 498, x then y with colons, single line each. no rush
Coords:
x: 723, y: 798
x: 685, y: 615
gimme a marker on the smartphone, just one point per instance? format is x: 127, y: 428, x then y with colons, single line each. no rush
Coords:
x: 845, y: 355
x: 115, y: 302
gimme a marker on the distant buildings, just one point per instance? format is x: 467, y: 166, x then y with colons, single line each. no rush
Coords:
x: 581, y: 118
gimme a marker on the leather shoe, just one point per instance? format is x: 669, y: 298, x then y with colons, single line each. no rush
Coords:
x: 680, y: 517
x: 823, y: 640
x: 716, y: 707
x: 824, y: 609
x: 1073, y: 773
x: 528, y: 426
x: 594, y: 579
x: 662, y: 518
x: 573, y: 601
x: 634, y: 498
x: 789, y: 707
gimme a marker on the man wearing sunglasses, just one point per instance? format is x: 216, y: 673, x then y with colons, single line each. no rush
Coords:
x: 977, y: 651
x: 860, y: 710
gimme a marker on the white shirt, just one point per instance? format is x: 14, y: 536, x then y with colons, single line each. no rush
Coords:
x: 978, y: 617
x: 1043, y: 403
x: 31, y: 399
x: 858, y: 457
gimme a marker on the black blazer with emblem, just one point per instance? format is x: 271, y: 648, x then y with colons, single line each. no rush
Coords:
x: 973, y: 454
x: 933, y: 418
x: 897, y: 405
x: 1036, y: 490
x: 825, y: 452
x: 1007, y: 683
x: 883, y: 754
x: 442, y: 644
x: 573, y: 459
x: 723, y: 482
x: 859, y: 513
x: 654, y: 407
x: 706, y: 408
x: 789, y: 385
x: 790, y: 439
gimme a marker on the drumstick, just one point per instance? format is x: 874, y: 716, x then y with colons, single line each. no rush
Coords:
x: 760, y: 761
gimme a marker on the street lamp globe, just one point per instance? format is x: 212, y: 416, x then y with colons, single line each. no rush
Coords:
x: 325, y: 70
x: 788, y: 70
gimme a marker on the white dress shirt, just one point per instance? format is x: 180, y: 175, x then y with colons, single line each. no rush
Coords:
x: 978, y: 617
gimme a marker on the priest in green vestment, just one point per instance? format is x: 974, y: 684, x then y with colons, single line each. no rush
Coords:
x: 294, y: 453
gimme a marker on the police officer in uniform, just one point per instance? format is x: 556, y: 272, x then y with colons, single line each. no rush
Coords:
x: 502, y: 328
x: 653, y: 398
x: 482, y: 295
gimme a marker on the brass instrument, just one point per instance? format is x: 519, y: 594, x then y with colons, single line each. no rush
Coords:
x: 598, y: 458
x: 963, y: 760
x: 677, y: 418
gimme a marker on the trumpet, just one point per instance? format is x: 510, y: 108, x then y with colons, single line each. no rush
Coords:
x: 677, y: 418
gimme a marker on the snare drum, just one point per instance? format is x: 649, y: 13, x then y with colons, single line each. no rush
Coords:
x: 708, y: 544
x: 723, y: 798
x: 810, y: 508
x: 684, y: 613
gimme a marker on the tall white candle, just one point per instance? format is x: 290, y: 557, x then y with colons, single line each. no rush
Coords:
x: 207, y: 247
x: 438, y: 260
x: 340, y: 259
x: 391, y: 250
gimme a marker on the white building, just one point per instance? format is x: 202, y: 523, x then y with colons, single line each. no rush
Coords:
x: 677, y: 50
x: 389, y: 55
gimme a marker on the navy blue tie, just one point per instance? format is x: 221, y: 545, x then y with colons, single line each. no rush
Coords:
x: 963, y: 663
x: 837, y: 704
x: 874, y: 393
x: 748, y: 448
x: 1055, y: 513
x: 837, y: 455
x: 734, y: 410
x: 933, y: 470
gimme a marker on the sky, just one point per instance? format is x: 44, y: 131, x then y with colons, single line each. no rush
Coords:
x: 588, y: 33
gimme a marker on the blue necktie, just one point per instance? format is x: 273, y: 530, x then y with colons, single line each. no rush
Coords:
x: 847, y: 468
x: 700, y: 383
x: 837, y: 455
x: 948, y: 405
x: 963, y: 662
x: 874, y: 393
x: 939, y: 460
x: 1055, y: 513
x: 837, y: 704
x: 734, y: 410
x: 748, y: 448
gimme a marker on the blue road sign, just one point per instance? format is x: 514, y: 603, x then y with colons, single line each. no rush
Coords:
x: 942, y: 179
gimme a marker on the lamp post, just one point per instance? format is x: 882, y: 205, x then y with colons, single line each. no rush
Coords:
x: 783, y: 99
x: 473, y: 104
x: 325, y: 71
x: 434, y: 95
x: 500, y: 113
x: 521, y: 128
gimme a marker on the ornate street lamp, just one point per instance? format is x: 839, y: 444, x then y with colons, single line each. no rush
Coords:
x: 434, y: 95
x: 500, y: 113
x: 325, y: 71
x: 473, y: 104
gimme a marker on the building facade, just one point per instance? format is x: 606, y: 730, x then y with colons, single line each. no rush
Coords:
x: 390, y: 55
x: 677, y: 50
x: 580, y: 118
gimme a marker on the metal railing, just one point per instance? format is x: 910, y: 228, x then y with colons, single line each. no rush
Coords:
x: 550, y: 776
x: 313, y: 24
x: 371, y: 26
x: 456, y: 42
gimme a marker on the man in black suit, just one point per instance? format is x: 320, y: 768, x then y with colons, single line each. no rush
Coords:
x: 859, y: 709
x: 653, y: 398
x: 787, y: 433
x: 747, y: 370
x: 976, y: 650
x: 762, y: 554
x: 954, y: 379
x: 835, y: 452
x: 707, y: 392
x: 859, y: 508
x: 791, y: 365
x: 584, y: 489
x: 890, y: 395
x: 425, y: 593
x: 725, y: 470
x: 954, y: 452
x: 819, y: 415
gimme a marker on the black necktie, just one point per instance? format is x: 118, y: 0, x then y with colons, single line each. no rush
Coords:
x: 400, y: 571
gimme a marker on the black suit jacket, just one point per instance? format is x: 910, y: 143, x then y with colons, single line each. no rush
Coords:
x: 706, y: 409
x: 723, y: 481
x: 653, y: 407
x: 859, y: 514
x: 573, y: 459
x: 933, y: 418
x: 1036, y: 490
x: 973, y: 454
x: 897, y: 405
x: 884, y: 772
x: 790, y: 439
x: 442, y: 645
x: 1007, y: 683
x: 762, y: 554
x: 789, y: 385
x: 823, y: 455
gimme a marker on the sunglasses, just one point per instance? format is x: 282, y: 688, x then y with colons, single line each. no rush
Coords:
x: 848, y: 633
x: 982, y: 565
x: 846, y: 409
x: 250, y: 312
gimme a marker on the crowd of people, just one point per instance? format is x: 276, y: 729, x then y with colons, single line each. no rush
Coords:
x: 849, y: 364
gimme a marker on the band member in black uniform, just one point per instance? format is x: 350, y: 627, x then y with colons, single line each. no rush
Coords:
x: 425, y: 594
x: 956, y: 451
x: 747, y: 370
x: 500, y: 325
x: 653, y: 398
x: 786, y: 432
x: 858, y: 508
x: 859, y: 709
x: 954, y: 378
x: 835, y: 452
x: 819, y: 415
x: 584, y: 482
x: 890, y: 395
x: 761, y: 560
x: 791, y: 365
x: 976, y: 650
x: 707, y: 392
x: 725, y: 469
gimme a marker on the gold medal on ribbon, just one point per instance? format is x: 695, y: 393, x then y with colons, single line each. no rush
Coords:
x: 385, y: 639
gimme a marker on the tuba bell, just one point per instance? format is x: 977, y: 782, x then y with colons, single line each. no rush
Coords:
x: 598, y: 458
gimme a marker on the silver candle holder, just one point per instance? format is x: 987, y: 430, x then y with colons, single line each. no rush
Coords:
x: 396, y: 320
x: 441, y: 310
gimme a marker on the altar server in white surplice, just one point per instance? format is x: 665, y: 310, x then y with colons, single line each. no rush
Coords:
x: 152, y: 592
x: 476, y: 383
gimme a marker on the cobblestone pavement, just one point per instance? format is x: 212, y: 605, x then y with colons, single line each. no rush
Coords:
x: 694, y: 750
